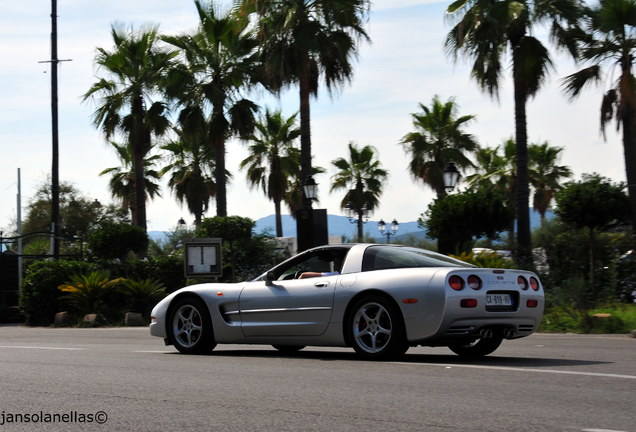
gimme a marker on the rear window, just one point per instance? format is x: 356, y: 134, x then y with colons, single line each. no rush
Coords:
x: 389, y: 257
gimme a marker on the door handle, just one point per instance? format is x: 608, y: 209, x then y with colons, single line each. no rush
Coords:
x: 321, y: 284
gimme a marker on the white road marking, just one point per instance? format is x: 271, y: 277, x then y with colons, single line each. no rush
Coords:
x: 600, y: 430
x: 514, y: 369
x: 42, y: 348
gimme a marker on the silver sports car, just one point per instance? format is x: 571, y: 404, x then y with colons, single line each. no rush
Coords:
x: 378, y: 299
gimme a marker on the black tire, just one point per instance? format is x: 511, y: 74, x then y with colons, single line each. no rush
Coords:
x: 288, y: 349
x: 375, y: 328
x: 478, y: 348
x: 190, y: 327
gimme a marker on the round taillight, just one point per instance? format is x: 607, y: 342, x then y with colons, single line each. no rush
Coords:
x: 474, y: 282
x: 522, y: 283
x: 534, y: 284
x: 456, y: 282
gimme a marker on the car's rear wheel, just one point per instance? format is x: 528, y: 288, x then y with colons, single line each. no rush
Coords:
x: 191, y: 327
x: 479, y: 348
x: 288, y: 349
x: 375, y: 328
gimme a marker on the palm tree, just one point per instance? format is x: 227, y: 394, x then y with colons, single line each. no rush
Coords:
x: 486, y: 31
x: 545, y: 175
x: 608, y: 40
x: 273, y: 159
x: 495, y: 166
x: 219, y: 61
x: 122, y: 180
x: 302, y: 41
x: 126, y: 99
x: 191, y: 171
x: 437, y: 141
x: 363, y: 179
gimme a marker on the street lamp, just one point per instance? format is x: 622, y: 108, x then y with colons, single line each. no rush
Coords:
x: 310, y: 188
x: 352, y: 214
x: 311, y: 224
x: 395, y: 226
x: 451, y: 175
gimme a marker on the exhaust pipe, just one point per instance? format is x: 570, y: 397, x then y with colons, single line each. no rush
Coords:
x: 509, y: 332
x: 485, y: 333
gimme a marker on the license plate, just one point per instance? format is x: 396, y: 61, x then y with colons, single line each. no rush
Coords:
x: 498, y: 300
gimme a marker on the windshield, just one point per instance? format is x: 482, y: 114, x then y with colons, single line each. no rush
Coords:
x: 382, y: 257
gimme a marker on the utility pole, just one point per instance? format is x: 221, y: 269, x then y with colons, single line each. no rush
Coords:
x: 55, y: 175
x: 55, y: 170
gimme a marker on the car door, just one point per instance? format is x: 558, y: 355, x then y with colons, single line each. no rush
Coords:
x: 296, y: 307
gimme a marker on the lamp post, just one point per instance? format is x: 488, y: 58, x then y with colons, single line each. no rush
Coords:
x: 395, y: 226
x: 451, y: 175
x: 305, y: 216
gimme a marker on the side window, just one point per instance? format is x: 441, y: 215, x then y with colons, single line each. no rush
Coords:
x: 317, y: 262
x: 380, y: 258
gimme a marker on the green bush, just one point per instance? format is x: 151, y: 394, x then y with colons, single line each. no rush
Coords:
x: 167, y: 269
x: 143, y: 295
x: 485, y: 259
x: 117, y: 241
x: 612, y: 319
x: 39, y: 293
x: 89, y: 292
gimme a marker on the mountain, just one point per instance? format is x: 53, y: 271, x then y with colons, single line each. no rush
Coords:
x: 336, y: 225
x: 340, y: 226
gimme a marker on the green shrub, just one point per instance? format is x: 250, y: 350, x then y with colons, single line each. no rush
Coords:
x: 167, y: 269
x: 612, y: 319
x: 485, y: 259
x: 117, y: 241
x: 142, y: 295
x: 88, y: 292
x: 39, y: 296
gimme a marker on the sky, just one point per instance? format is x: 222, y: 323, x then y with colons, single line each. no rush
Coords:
x: 404, y: 64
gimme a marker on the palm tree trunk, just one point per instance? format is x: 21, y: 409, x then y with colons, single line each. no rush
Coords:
x: 305, y: 134
x: 140, y: 142
x: 219, y: 177
x: 360, y: 227
x: 522, y: 195
x: 629, y: 151
x: 279, y: 219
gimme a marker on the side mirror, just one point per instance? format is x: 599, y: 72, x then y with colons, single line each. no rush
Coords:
x: 270, y: 278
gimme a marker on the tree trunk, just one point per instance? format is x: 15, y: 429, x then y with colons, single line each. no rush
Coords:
x: 305, y: 135
x: 522, y: 193
x: 219, y: 177
x: 360, y: 225
x: 140, y: 142
x: 629, y: 152
x: 279, y: 221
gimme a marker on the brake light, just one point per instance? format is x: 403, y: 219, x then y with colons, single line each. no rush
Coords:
x: 474, y: 282
x: 522, y: 283
x: 534, y: 284
x: 468, y: 303
x: 456, y: 282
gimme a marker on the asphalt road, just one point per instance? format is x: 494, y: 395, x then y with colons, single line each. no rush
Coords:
x: 123, y: 379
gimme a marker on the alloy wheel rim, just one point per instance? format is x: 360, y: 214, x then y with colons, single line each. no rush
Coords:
x: 372, y: 327
x: 187, y: 326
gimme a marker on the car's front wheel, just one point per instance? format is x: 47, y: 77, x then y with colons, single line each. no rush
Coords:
x: 479, y: 348
x: 376, y: 329
x: 191, y: 327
